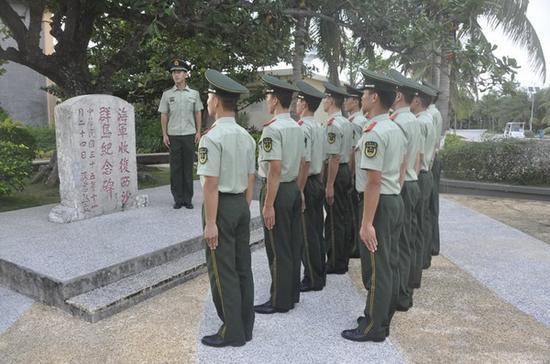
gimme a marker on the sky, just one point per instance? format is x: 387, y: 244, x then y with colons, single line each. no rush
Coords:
x: 538, y: 13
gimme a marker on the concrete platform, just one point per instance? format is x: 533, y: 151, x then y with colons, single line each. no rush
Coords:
x: 52, y: 263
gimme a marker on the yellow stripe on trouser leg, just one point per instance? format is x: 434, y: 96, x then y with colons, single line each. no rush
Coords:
x: 274, y: 269
x: 372, y: 292
x: 218, y: 286
x: 333, y: 238
x: 306, y: 243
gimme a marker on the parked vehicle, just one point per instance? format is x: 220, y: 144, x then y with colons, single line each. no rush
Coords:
x: 514, y: 130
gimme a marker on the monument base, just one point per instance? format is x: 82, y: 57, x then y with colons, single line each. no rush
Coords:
x: 100, y: 266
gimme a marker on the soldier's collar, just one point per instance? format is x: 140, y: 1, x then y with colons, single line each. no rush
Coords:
x: 335, y: 114
x: 379, y: 118
x: 186, y: 88
x: 423, y: 112
x: 401, y: 109
x: 356, y: 114
x: 283, y: 115
x: 225, y: 120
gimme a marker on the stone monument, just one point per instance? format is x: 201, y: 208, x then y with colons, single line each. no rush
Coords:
x: 96, y: 157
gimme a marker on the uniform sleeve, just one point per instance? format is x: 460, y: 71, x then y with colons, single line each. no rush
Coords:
x: 163, y: 106
x: 270, y: 145
x: 209, y: 158
x: 373, y: 150
x: 333, y: 140
x: 422, y: 135
x: 252, y: 157
x: 198, y: 103
x: 307, y: 144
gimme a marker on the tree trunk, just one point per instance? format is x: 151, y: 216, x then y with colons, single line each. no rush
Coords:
x: 445, y: 88
x: 436, y: 68
x: 300, y: 40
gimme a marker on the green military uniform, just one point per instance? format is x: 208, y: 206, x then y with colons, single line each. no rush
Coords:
x: 410, y: 193
x: 282, y: 140
x: 313, y: 257
x: 339, y: 140
x: 382, y: 148
x: 181, y: 106
x: 436, y: 172
x: 358, y: 122
x: 425, y: 182
x: 227, y: 152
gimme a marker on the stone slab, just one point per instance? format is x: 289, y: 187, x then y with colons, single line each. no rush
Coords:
x: 66, y: 253
x: 308, y: 334
x: 113, y: 298
x: 514, y: 265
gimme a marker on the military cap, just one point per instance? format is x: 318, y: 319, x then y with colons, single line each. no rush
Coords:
x: 403, y: 82
x: 179, y: 65
x: 354, y: 92
x: 332, y: 90
x: 308, y: 91
x: 276, y: 84
x: 425, y: 90
x: 377, y: 81
x: 429, y: 85
x: 222, y: 84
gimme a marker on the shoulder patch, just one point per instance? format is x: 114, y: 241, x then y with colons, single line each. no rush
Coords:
x: 330, y: 121
x: 331, y: 138
x: 267, y: 144
x: 369, y: 127
x: 269, y: 122
x: 371, y: 148
x: 203, y: 155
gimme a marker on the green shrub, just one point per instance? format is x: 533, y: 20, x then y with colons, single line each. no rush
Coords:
x: 512, y: 161
x: 45, y: 140
x: 453, y: 139
x: 15, y: 166
x: 149, y: 136
x: 529, y: 134
x: 547, y: 131
x: 18, y: 134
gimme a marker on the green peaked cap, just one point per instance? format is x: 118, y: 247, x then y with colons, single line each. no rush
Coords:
x: 403, y: 82
x: 306, y: 90
x: 220, y: 83
x: 429, y: 85
x: 333, y: 90
x: 354, y: 92
x: 276, y: 83
x: 378, y: 81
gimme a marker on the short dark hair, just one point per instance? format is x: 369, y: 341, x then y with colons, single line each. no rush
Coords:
x: 435, y: 98
x: 285, y: 98
x: 425, y: 100
x: 408, y: 96
x: 312, y: 103
x: 338, y: 100
x: 229, y: 102
x: 387, y: 98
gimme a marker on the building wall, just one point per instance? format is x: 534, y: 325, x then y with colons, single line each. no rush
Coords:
x: 20, y: 87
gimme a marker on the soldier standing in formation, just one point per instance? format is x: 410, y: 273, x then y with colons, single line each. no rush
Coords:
x: 280, y: 156
x: 382, y: 150
x: 358, y: 121
x: 410, y: 192
x: 436, y: 170
x: 339, y: 139
x: 228, y: 184
x: 180, y: 118
x: 314, y: 255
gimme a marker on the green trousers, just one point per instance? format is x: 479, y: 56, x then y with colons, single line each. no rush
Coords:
x: 387, y: 222
x: 353, y: 239
x: 434, y: 205
x: 284, y: 245
x: 314, y: 256
x: 337, y: 221
x: 410, y: 193
x: 365, y: 264
x: 425, y: 182
x: 182, y: 156
x: 229, y: 268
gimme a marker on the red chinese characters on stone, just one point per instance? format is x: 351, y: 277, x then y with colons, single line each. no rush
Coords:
x: 107, y: 168
x: 124, y: 165
x: 105, y: 121
x: 108, y: 187
x: 106, y: 149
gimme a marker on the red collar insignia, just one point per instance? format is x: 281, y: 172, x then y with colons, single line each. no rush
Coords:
x: 370, y: 127
x: 207, y: 130
x: 330, y: 121
x: 300, y: 122
x: 269, y: 122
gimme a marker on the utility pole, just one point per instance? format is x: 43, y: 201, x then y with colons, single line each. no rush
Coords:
x: 532, y: 91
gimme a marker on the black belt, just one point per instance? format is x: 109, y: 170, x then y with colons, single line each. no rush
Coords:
x: 343, y: 164
x: 230, y: 194
x: 264, y: 180
x: 423, y: 171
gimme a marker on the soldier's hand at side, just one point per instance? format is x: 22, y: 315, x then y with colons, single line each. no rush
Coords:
x: 197, y: 138
x: 368, y: 237
x: 269, y: 217
x: 166, y: 141
x: 329, y: 195
x: 211, y: 236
